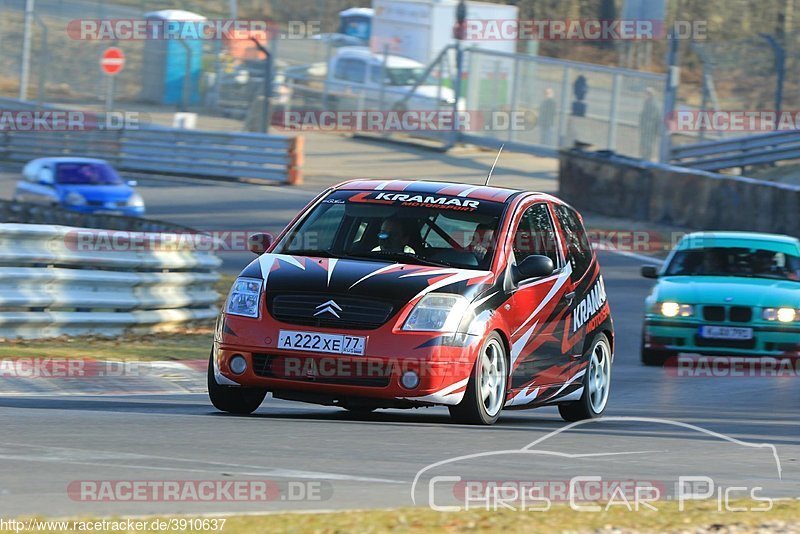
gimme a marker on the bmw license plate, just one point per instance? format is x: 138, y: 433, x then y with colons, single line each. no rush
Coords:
x: 726, y: 332
x: 318, y: 342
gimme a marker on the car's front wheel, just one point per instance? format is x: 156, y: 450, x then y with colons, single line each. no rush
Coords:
x: 596, y: 384
x: 486, y: 390
x: 238, y: 400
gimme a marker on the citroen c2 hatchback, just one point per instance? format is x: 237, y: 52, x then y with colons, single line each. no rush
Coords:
x: 406, y: 294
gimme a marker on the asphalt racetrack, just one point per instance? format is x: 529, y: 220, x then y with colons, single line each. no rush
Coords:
x: 659, y: 426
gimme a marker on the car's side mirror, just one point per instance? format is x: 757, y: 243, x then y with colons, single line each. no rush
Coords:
x: 534, y: 267
x: 650, y: 271
x: 259, y: 243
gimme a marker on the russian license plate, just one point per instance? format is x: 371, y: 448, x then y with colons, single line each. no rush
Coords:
x: 726, y: 332
x: 318, y: 342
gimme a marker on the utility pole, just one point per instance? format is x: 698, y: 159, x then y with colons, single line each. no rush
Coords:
x: 25, y: 73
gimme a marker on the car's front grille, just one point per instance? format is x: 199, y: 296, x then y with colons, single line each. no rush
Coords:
x: 332, y: 311
x: 714, y: 313
x: 734, y: 314
x: 334, y: 370
x: 740, y: 314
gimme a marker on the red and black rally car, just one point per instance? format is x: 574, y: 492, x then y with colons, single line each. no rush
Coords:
x: 403, y: 294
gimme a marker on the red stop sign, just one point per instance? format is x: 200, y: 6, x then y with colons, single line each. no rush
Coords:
x: 112, y: 61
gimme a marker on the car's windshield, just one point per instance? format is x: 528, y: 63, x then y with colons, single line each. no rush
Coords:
x: 405, y: 76
x: 735, y: 261
x: 86, y: 174
x: 415, y: 228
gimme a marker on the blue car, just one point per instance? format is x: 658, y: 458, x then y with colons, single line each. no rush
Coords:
x: 84, y: 185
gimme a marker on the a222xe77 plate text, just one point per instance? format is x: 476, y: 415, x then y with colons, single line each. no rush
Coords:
x: 319, y: 342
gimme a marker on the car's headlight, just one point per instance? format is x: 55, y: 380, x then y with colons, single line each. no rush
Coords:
x: 75, y: 199
x: 136, y: 201
x: 437, y: 312
x: 673, y: 309
x: 782, y: 315
x: 244, y: 297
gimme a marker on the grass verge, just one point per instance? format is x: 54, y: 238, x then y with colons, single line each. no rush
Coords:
x: 699, y: 516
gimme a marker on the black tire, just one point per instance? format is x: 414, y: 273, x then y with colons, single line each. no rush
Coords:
x: 237, y: 400
x: 655, y: 357
x: 471, y: 410
x: 360, y: 410
x: 582, y: 409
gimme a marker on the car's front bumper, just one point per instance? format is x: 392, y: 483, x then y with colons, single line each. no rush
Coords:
x: 443, y: 372
x: 684, y: 336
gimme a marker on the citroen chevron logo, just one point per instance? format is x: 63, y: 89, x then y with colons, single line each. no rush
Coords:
x: 328, y: 307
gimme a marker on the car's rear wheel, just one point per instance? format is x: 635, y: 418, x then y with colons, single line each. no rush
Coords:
x: 486, y: 390
x: 596, y: 384
x: 232, y: 399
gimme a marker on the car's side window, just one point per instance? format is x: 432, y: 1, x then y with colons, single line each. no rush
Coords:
x: 46, y: 175
x: 579, y: 249
x: 536, y: 235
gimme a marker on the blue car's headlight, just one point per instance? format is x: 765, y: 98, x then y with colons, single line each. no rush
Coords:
x: 244, y: 297
x: 75, y: 199
x: 135, y: 201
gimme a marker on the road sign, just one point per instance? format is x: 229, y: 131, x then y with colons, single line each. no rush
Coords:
x: 112, y: 61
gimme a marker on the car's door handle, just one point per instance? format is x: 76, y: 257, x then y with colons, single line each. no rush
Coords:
x: 569, y: 297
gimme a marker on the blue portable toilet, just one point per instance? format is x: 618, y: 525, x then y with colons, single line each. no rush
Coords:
x: 357, y: 22
x: 166, y: 57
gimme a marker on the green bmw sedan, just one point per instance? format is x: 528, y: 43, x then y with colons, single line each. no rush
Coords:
x: 724, y: 293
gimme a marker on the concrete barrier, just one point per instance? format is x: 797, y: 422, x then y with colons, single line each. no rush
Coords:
x: 617, y: 186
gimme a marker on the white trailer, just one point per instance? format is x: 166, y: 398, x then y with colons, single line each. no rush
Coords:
x: 420, y: 29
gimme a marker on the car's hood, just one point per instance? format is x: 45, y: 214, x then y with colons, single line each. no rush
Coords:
x: 99, y: 193
x: 759, y: 292
x: 396, y: 283
x: 433, y: 91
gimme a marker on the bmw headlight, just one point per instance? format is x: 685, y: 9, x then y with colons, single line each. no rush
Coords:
x: 136, y: 201
x: 437, y: 312
x: 782, y: 315
x: 244, y: 297
x: 673, y: 309
x: 75, y: 199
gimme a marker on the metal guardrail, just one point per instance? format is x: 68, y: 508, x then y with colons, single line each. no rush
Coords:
x: 55, y: 280
x: 29, y: 213
x: 738, y: 151
x: 222, y: 156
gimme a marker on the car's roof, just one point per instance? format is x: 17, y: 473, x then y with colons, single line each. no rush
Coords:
x: 67, y: 159
x: 476, y: 192
x: 782, y: 243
